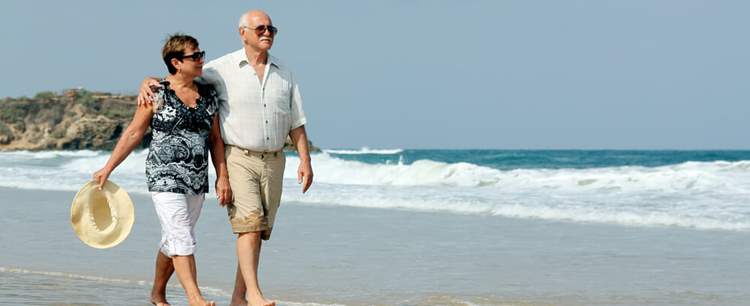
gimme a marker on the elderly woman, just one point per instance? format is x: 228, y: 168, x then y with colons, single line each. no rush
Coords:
x: 185, y: 126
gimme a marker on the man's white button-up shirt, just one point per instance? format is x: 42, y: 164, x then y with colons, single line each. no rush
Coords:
x: 255, y: 115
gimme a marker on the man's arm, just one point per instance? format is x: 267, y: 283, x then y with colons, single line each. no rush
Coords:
x: 145, y: 94
x: 304, y: 172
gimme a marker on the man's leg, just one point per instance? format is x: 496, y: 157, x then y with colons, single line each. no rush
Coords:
x: 238, y: 295
x: 248, y: 254
x: 249, y: 243
x: 247, y: 215
x: 186, y: 272
x: 164, y: 270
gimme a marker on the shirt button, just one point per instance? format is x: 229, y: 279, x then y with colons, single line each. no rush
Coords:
x: 266, y: 121
x: 264, y: 105
x: 267, y: 138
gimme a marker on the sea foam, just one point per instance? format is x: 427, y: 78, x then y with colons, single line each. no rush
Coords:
x: 699, y: 195
x: 364, y: 150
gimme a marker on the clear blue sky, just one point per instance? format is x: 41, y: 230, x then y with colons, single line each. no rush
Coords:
x: 434, y: 74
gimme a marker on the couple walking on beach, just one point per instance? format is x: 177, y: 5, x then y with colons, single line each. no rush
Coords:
x: 241, y: 107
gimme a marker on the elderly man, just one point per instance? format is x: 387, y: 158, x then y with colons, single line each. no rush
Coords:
x: 260, y: 105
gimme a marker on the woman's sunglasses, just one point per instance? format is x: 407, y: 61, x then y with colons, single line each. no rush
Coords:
x: 195, y: 56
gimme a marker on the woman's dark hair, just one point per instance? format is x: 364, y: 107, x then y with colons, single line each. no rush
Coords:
x: 175, y: 47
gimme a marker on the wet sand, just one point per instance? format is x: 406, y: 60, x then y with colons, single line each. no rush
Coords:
x: 360, y: 256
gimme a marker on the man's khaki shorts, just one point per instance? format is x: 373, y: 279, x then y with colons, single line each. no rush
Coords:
x: 256, y: 179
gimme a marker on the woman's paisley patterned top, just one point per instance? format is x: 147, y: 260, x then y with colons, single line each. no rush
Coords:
x: 178, y: 155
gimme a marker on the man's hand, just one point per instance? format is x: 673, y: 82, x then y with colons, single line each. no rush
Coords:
x: 223, y: 190
x: 305, y: 174
x: 146, y: 95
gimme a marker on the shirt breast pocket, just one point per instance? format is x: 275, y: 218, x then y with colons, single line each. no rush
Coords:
x: 280, y: 99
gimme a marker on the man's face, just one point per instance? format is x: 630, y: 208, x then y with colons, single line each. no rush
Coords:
x: 260, y: 33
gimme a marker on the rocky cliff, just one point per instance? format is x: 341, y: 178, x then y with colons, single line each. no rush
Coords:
x: 74, y: 120
x: 77, y: 119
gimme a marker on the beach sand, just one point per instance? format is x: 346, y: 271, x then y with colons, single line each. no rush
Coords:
x: 360, y: 256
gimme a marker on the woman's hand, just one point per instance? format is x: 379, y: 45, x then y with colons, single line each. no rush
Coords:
x: 101, y: 176
x: 223, y: 190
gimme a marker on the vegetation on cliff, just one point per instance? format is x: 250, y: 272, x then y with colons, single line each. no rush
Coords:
x: 74, y: 120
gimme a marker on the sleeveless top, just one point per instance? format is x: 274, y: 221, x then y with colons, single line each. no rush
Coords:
x: 177, y: 160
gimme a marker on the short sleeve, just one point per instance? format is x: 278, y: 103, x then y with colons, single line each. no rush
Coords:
x: 297, y: 113
x: 160, y: 96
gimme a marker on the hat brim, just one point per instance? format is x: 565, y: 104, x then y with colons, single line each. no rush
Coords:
x: 102, y: 218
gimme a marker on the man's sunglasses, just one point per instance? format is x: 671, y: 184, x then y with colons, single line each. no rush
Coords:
x: 195, y: 56
x: 259, y: 30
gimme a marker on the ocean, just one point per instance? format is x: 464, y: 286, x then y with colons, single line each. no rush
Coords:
x: 415, y: 227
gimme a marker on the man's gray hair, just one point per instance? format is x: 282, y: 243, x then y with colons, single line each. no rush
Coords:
x: 243, y: 21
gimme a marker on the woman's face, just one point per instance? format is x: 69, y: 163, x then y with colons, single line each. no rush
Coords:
x: 191, y: 64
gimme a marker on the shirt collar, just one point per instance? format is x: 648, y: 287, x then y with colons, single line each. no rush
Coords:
x: 241, y: 59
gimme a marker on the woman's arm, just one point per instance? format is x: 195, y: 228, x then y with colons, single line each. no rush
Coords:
x: 223, y: 190
x: 129, y: 140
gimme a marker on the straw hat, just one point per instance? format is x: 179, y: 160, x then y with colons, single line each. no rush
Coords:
x: 102, y: 218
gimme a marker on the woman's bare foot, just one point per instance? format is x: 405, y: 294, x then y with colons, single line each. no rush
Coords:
x: 159, y: 299
x: 199, y: 301
x: 260, y: 301
x: 237, y: 302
